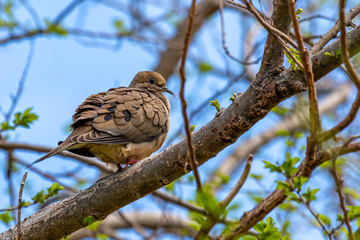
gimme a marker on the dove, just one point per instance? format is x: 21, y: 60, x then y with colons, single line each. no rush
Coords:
x: 122, y: 125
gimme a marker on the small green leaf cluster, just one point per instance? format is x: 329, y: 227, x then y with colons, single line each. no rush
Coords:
x: 6, y: 217
x: 205, y: 67
x: 205, y: 198
x: 23, y: 119
x: 51, y: 191
x: 280, y: 110
x: 119, y: 24
x: 216, y: 104
x: 267, y: 231
x: 8, y: 20
x: 287, y: 168
x: 55, y: 29
x: 336, y: 55
x: 296, y: 54
x: 232, y: 98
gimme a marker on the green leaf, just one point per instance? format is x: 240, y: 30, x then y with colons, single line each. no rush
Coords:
x: 328, y: 54
x: 192, y: 128
x: 354, y: 212
x: 268, y: 231
x: 88, y: 220
x: 339, y: 218
x: 5, y: 126
x: 39, y: 197
x: 206, y: 198
x: 198, y: 218
x: 288, y: 166
x: 296, y: 54
x: 53, y: 190
x: 257, y: 177
x: 299, y: 11
x: 325, y: 219
x: 272, y: 167
x: 25, y: 118
x: 284, y: 185
x: 299, y: 181
x: 280, y: 110
x: 337, y: 53
x: 205, y: 67
x: 232, y: 98
x: 216, y: 104
x: 351, y: 192
x: 170, y: 187
x: 224, y: 178
x: 55, y: 29
x: 6, y: 217
x: 249, y: 238
x: 309, y: 195
x: 102, y: 236
x: 283, y: 133
x: 119, y: 24
x: 289, y: 143
x: 298, y: 134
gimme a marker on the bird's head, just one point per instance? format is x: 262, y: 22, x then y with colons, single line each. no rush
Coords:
x: 150, y: 81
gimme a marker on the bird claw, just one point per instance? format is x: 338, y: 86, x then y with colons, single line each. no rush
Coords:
x: 130, y: 161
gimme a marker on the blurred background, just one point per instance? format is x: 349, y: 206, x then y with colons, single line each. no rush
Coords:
x: 54, y: 54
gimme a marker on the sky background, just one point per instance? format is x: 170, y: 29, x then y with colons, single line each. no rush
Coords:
x: 64, y: 71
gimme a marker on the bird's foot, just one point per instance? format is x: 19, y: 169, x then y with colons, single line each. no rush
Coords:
x: 130, y: 161
x: 119, y: 168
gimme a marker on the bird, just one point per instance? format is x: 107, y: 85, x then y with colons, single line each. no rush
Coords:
x: 120, y: 126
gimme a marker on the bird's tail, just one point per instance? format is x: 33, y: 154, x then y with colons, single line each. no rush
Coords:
x: 63, y: 146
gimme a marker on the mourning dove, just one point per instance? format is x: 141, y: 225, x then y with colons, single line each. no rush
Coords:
x: 122, y: 125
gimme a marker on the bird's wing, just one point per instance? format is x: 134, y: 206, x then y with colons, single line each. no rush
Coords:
x: 121, y: 116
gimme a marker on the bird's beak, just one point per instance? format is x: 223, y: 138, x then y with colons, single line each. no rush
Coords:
x: 167, y: 90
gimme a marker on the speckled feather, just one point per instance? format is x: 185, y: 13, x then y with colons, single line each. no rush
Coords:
x: 121, y: 123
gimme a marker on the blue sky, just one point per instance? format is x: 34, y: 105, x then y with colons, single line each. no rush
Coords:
x: 64, y: 72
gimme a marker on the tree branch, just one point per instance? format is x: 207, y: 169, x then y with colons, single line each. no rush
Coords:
x: 119, y: 189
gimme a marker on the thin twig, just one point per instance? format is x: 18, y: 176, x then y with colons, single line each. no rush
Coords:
x: 278, y: 35
x: 29, y: 8
x: 191, y: 148
x: 45, y: 175
x: 133, y: 224
x: 223, y: 41
x: 345, y: 56
x: 20, y: 205
x: 15, y: 98
x: 262, y: 21
x: 212, y: 220
x: 239, y: 183
x: 334, y: 30
x: 316, y: 216
x: 35, y: 148
x: 66, y: 11
x: 178, y: 201
x: 315, y: 121
x: 339, y: 190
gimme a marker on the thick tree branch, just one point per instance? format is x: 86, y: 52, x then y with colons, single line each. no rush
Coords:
x: 291, y: 124
x: 120, y: 189
x: 151, y: 220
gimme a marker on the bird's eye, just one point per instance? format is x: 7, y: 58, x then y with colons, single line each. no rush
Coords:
x: 151, y: 81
